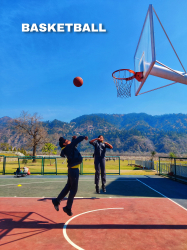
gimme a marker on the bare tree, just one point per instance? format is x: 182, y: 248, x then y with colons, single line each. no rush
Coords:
x: 153, y: 153
x: 30, y: 126
x: 172, y: 155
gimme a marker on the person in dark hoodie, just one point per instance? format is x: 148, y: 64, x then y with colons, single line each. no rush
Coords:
x: 99, y: 160
x: 74, y: 159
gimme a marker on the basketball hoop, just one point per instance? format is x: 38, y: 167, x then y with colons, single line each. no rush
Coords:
x: 124, y: 83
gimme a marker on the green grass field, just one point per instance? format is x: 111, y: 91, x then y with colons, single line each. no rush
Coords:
x: 8, y: 154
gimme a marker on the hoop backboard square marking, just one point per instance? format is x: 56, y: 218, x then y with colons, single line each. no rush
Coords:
x: 141, y: 64
x: 144, y: 58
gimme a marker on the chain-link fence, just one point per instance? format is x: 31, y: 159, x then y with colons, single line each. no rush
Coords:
x: 175, y: 168
x: 54, y: 165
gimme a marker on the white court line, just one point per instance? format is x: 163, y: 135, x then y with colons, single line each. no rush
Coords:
x: 125, y: 180
x: 15, y: 184
x: 29, y: 183
x: 162, y: 195
x: 65, y: 226
x: 43, y: 197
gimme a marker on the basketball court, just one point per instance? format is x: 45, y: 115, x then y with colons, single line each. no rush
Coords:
x: 136, y: 212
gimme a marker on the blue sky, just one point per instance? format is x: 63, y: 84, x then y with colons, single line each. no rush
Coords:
x: 37, y: 69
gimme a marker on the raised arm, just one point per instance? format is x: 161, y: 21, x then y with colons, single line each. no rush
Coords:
x: 79, y: 139
x: 109, y: 145
x: 96, y: 139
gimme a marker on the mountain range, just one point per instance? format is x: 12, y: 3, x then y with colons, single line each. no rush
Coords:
x: 126, y: 132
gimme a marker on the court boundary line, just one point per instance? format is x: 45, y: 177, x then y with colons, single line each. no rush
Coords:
x: 110, y: 197
x: 4, y: 185
x: 65, y: 226
x: 162, y: 195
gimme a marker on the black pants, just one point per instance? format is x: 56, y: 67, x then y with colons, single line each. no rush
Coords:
x: 100, y: 166
x: 71, y: 187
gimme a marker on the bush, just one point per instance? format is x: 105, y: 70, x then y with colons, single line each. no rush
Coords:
x: 24, y: 161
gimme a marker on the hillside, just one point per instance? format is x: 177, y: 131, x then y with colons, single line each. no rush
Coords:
x: 142, y: 121
x: 126, y: 132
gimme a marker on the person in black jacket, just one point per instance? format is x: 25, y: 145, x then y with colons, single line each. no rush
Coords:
x: 99, y: 160
x: 74, y: 159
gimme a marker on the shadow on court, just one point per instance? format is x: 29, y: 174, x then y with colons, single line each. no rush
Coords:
x: 147, y: 186
x: 33, y: 223
x: 16, y: 220
x: 129, y: 188
x: 46, y: 199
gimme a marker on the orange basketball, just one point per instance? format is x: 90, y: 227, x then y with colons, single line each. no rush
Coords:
x: 78, y: 81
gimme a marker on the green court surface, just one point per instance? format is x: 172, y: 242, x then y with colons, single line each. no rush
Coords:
x: 124, y: 186
x: 50, y: 187
x: 117, y: 186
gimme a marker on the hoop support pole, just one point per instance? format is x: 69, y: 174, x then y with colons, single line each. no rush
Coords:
x: 165, y: 73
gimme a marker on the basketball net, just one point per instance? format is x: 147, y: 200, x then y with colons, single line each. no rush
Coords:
x: 124, y: 83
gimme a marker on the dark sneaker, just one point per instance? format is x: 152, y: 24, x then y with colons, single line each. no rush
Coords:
x: 104, y: 188
x: 56, y: 204
x: 97, y: 189
x: 67, y: 211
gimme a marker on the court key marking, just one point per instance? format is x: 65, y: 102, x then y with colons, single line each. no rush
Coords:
x: 65, y: 226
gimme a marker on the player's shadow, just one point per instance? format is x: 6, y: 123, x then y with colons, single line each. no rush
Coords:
x: 147, y: 187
